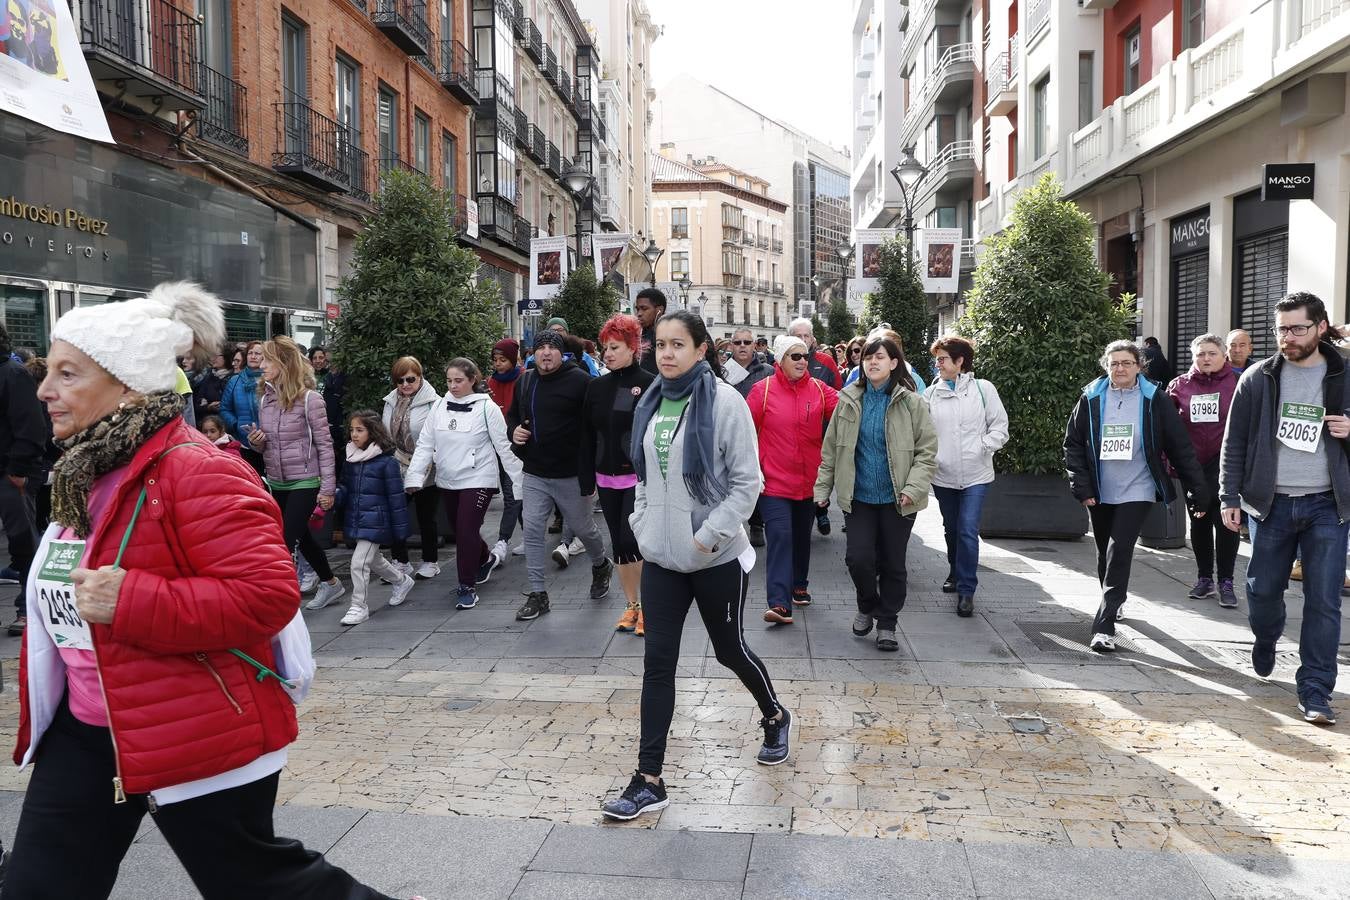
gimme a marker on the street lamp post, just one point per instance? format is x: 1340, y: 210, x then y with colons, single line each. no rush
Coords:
x: 845, y: 253
x: 908, y: 173
x: 685, y: 286
x: 579, y: 183
x: 652, y: 254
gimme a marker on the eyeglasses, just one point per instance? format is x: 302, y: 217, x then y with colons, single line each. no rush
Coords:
x: 407, y: 379
x: 1295, y: 330
x: 1124, y: 364
x: 795, y: 357
x: 742, y: 343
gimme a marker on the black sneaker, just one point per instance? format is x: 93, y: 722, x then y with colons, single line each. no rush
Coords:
x: 965, y: 605
x: 1263, y: 658
x: 949, y: 586
x: 801, y: 597
x: 600, y: 576
x: 776, y: 736
x: 823, y: 522
x: 555, y: 527
x: 756, y: 535
x: 641, y: 796
x: 536, y: 604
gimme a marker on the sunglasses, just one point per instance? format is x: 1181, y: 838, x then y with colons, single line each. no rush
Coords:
x: 407, y: 379
x: 742, y: 343
x: 796, y: 357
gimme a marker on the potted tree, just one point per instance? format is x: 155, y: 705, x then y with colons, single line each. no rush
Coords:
x: 584, y: 302
x: 899, y: 301
x: 1040, y: 313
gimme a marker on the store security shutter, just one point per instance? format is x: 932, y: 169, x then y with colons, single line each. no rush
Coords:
x: 1261, y: 279
x: 1190, y: 305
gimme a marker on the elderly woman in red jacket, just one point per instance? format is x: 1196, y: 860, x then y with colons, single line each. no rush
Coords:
x: 164, y: 557
x: 791, y: 410
x: 1203, y: 396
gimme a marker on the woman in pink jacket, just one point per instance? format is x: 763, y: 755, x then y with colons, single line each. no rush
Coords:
x: 1203, y: 396
x: 791, y: 410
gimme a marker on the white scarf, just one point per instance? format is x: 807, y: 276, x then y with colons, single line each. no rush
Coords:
x: 355, y: 454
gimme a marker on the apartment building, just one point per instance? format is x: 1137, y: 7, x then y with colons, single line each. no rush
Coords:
x: 724, y: 240
x: 250, y: 141
x: 696, y: 119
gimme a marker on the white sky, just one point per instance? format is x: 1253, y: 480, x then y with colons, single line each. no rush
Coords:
x: 789, y: 59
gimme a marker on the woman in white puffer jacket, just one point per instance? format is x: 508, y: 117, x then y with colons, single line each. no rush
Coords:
x: 406, y: 408
x: 971, y: 426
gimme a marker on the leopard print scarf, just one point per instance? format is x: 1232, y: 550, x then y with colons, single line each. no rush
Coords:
x: 110, y: 442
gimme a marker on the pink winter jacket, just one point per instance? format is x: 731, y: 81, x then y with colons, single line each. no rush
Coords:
x: 299, y: 444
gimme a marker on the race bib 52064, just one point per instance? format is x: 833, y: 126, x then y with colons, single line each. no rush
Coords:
x: 1300, y: 426
x: 56, y: 596
x: 1117, y: 442
x: 1205, y: 408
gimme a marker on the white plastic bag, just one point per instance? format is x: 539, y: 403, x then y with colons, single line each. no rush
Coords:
x: 295, y: 658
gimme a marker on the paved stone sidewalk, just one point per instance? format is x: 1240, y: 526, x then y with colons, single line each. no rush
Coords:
x: 994, y: 738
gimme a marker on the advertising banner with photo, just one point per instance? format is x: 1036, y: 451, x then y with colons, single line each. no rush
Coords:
x: 940, y: 261
x: 548, y: 267
x: 607, y: 251
x: 867, y: 259
x: 43, y: 75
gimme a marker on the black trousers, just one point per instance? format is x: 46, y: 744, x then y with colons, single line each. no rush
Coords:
x: 426, y: 504
x: 878, y: 538
x: 297, y: 506
x: 1115, y: 528
x: 618, y: 506
x: 71, y: 836
x: 1209, y: 534
x: 666, y: 596
x: 18, y: 515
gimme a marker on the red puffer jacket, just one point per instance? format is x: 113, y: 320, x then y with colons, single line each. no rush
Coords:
x: 207, y: 571
x: 791, y: 418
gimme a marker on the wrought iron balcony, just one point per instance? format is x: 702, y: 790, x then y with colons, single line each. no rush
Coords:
x: 565, y: 88
x: 517, y: 17
x: 357, y: 163
x: 389, y: 163
x: 456, y: 72
x: 522, y: 129
x: 778, y: 287
x: 152, y: 48
x: 224, y: 118
x: 777, y: 247
x: 312, y: 147
x: 748, y: 239
x: 553, y: 165
x: 459, y: 217
x: 523, y: 231
x: 405, y: 23
x: 533, y: 42
x: 497, y: 218
x: 536, y: 146
x: 762, y: 242
x: 551, y: 66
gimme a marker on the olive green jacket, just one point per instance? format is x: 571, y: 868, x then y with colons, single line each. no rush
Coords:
x: 911, y: 448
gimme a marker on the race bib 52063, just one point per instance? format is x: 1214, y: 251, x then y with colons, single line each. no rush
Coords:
x: 1117, y: 442
x: 1300, y: 426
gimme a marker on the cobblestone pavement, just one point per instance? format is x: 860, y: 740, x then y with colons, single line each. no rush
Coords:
x: 993, y: 735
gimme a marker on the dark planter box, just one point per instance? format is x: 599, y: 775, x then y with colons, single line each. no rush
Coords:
x: 1032, y: 506
x: 1164, y: 528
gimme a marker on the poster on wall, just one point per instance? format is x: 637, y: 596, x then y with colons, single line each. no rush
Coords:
x: 867, y: 259
x: 607, y: 251
x: 940, y: 260
x: 548, y: 267
x: 43, y: 75
x: 670, y: 289
x: 471, y: 218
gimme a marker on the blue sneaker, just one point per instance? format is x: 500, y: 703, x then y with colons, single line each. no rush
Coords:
x: 1317, y: 710
x: 641, y: 796
x: 468, y: 598
x: 1203, y: 590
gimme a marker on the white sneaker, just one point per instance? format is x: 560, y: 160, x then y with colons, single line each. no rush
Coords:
x: 428, y: 570
x: 501, y: 551
x: 519, y: 549
x: 561, y: 556
x: 401, y: 568
x: 401, y: 590
x: 576, y: 548
x: 1103, y: 643
x: 356, y: 614
x: 328, y: 592
x: 309, y: 581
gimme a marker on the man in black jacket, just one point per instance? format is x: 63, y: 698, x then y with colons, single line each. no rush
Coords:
x: 648, y: 306
x: 1284, y: 462
x: 545, y: 423
x: 23, y: 436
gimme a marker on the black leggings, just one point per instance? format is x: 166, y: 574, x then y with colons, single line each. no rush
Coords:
x: 297, y: 505
x: 1115, y: 528
x: 72, y: 837
x: 427, y: 507
x: 618, y: 506
x: 1210, y: 532
x: 666, y: 595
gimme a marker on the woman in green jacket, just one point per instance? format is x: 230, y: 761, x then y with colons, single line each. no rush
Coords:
x: 879, y: 457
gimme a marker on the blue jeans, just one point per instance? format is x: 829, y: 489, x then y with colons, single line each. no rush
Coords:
x: 1307, y: 525
x: 787, y: 540
x: 961, y: 526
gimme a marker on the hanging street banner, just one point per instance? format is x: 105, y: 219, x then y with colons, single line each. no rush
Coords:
x: 43, y: 75
x: 548, y: 267
x: 940, y: 262
x: 607, y: 252
x: 867, y: 259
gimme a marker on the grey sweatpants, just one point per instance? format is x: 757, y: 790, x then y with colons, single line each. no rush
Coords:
x: 541, y: 495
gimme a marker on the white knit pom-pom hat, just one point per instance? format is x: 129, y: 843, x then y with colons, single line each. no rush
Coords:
x: 783, y: 344
x: 139, y: 341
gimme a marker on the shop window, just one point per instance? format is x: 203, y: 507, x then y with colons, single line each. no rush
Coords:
x: 24, y: 312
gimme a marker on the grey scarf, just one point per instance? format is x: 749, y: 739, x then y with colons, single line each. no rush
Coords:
x: 699, y: 384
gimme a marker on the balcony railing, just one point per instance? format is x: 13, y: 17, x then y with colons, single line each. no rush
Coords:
x: 957, y: 63
x: 1038, y: 17
x: 551, y: 66
x: 523, y: 232
x: 405, y: 23
x: 496, y: 217
x: 762, y: 242
x: 777, y: 246
x: 387, y: 164
x: 565, y: 88
x: 778, y: 287
x: 356, y: 162
x: 748, y: 239
x: 224, y: 118
x: 313, y: 148
x: 517, y: 17
x: 456, y: 71
x: 533, y: 42
x: 460, y: 217
x: 536, y: 147
x: 1313, y: 14
x: 152, y: 47
x: 522, y: 129
x: 553, y: 165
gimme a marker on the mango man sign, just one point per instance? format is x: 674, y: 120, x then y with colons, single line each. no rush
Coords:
x: 1288, y: 181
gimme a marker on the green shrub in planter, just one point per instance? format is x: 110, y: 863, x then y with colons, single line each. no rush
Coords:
x: 1040, y: 313
x: 585, y: 303
x: 900, y: 301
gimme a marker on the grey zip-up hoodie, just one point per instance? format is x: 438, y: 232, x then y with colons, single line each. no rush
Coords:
x: 666, y: 520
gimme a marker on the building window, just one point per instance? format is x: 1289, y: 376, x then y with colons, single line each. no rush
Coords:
x: 422, y: 143
x: 449, y: 162
x: 1193, y: 24
x: 679, y: 222
x: 1087, y: 109
x: 386, y: 113
x: 1131, y: 55
x: 294, y: 59
x: 679, y: 265
x: 1040, y: 126
x: 348, y: 101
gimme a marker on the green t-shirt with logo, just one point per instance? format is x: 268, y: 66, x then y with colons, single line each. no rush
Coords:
x: 664, y: 423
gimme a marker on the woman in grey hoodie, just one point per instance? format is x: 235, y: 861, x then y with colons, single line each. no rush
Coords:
x: 698, y: 480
